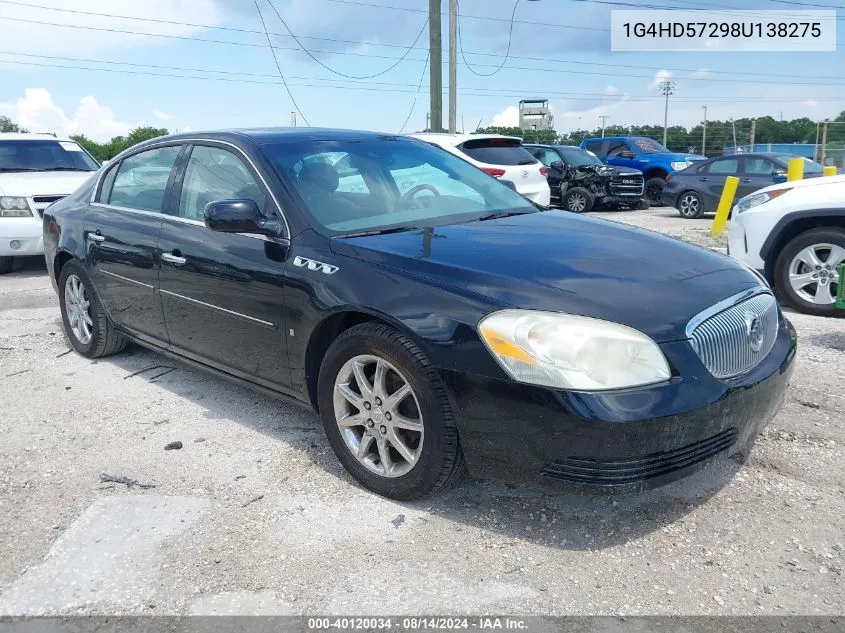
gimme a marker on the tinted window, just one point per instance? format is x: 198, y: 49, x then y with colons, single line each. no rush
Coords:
x: 546, y: 156
x: 497, y: 151
x: 44, y: 156
x: 215, y: 174
x: 579, y: 157
x: 142, y: 179
x: 408, y: 184
x: 724, y: 166
x: 617, y: 147
x: 595, y: 147
x: 757, y: 166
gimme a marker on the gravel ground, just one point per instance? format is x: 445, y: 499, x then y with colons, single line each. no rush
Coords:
x: 254, y: 515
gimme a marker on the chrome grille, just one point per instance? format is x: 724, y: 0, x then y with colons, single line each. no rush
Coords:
x: 626, y: 185
x: 733, y: 340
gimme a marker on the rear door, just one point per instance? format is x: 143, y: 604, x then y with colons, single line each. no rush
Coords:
x: 223, y: 293
x: 713, y: 177
x: 122, y: 230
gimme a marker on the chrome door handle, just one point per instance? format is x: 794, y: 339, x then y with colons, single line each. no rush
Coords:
x: 170, y: 258
x: 96, y: 237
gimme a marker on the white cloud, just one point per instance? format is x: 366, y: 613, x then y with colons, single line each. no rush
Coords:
x: 37, y: 112
x: 811, y: 102
x: 703, y: 73
x: 660, y: 75
x: 509, y: 117
x: 28, y: 37
x: 163, y: 116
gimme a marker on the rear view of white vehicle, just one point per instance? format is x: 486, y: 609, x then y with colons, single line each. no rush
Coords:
x: 502, y: 157
x: 36, y: 170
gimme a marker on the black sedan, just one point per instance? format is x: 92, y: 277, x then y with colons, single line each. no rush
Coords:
x: 580, y: 182
x: 432, y: 316
x: 696, y: 190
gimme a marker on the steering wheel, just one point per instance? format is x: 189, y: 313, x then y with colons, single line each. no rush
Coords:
x: 408, y: 195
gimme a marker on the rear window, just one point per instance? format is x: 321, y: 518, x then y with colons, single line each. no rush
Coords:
x: 498, y: 151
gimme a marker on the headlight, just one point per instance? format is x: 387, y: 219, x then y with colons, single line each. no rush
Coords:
x: 677, y: 166
x: 14, y: 207
x: 572, y: 352
x: 756, y: 199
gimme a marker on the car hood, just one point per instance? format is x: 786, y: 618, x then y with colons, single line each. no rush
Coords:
x: 626, y: 171
x: 41, y: 183
x: 563, y: 262
x: 672, y: 157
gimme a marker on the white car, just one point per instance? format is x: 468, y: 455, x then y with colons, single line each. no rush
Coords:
x: 35, y: 171
x: 794, y: 234
x: 503, y: 157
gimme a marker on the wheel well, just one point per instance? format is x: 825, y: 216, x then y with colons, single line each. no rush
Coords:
x: 655, y: 173
x: 59, y: 262
x: 793, y: 230
x: 321, y: 338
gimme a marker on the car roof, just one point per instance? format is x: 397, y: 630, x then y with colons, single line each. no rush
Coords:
x: 456, y: 139
x: 29, y: 136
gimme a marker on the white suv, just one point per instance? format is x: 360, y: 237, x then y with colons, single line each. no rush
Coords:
x: 794, y: 234
x: 500, y: 156
x: 35, y: 171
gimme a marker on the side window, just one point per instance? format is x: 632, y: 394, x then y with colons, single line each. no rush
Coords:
x: 595, y: 147
x: 141, y: 179
x: 614, y: 149
x: 758, y: 166
x: 107, y: 184
x: 724, y: 166
x: 216, y: 174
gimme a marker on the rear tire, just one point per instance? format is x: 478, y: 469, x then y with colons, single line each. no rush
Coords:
x: 690, y: 205
x: 794, y: 269
x: 366, y: 429
x: 654, y: 190
x: 6, y: 264
x: 87, y: 326
x: 578, y: 200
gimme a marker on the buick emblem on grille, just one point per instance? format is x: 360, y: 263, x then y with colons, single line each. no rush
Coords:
x: 754, y: 331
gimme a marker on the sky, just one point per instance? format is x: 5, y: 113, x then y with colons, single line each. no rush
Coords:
x: 80, y: 71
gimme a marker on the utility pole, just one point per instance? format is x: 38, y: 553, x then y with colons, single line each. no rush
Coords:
x: 293, y: 119
x: 453, y: 66
x: 751, y: 136
x: 733, y: 125
x: 824, y: 141
x: 816, y: 148
x: 666, y: 88
x: 427, y: 122
x: 435, y: 47
x: 704, y: 134
x: 603, y: 117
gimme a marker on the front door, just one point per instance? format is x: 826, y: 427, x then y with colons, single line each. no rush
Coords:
x: 122, y: 230
x: 223, y: 293
x: 757, y: 172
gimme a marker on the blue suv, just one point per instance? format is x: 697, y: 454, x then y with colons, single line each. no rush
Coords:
x: 645, y: 154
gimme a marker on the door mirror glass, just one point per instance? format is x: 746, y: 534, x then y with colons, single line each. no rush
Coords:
x: 557, y: 165
x: 238, y: 216
x: 626, y: 154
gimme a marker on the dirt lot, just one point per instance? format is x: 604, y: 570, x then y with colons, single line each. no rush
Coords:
x: 254, y: 514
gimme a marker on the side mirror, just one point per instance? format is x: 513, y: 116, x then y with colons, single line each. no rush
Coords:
x: 778, y: 176
x: 557, y: 165
x: 508, y: 183
x: 239, y: 216
x: 627, y: 154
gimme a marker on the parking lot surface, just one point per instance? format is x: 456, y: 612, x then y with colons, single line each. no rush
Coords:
x: 254, y: 514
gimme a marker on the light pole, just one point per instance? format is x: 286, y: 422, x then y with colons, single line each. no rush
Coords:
x: 666, y: 88
x: 603, y: 118
x: 704, y: 134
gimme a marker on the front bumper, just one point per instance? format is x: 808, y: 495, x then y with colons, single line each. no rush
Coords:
x: 632, y: 438
x: 24, y: 233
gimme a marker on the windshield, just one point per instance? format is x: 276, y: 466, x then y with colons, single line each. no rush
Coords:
x: 44, y: 155
x: 390, y: 182
x: 649, y: 146
x: 579, y: 157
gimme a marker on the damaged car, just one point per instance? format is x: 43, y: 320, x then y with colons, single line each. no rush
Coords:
x: 580, y: 182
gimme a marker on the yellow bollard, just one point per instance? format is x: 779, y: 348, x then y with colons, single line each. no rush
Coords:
x: 830, y: 170
x: 795, y: 169
x: 725, y: 204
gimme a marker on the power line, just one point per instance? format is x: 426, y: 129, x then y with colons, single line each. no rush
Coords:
x: 416, y: 96
x: 507, y: 50
x: 278, y: 66
x: 307, y: 52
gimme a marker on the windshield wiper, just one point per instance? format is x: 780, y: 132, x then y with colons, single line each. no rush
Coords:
x: 501, y: 214
x: 67, y: 169
x: 6, y: 169
x: 395, y: 229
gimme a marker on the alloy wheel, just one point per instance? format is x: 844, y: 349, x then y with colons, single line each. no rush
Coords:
x: 78, y: 307
x: 576, y: 202
x: 378, y: 415
x: 689, y: 205
x: 812, y: 273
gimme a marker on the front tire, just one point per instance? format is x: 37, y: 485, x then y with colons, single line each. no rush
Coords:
x: 654, y: 190
x: 690, y: 205
x: 87, y: 326
x: 386, y: 414
x: 578, y: 200
x: 805, y: 271
x: 6, y: 264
